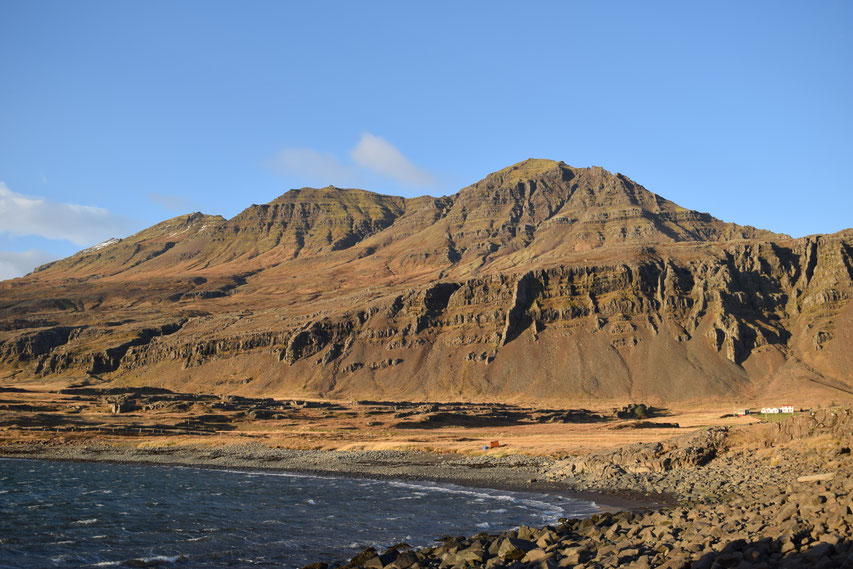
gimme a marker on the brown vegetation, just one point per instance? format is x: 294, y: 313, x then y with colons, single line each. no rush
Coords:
x: 145, y: 416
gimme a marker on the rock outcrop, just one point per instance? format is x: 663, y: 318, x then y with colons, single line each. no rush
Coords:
x: 541, y: 282
x: 685, y: 451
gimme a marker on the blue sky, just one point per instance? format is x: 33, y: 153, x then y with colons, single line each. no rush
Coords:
x: 117, y: 115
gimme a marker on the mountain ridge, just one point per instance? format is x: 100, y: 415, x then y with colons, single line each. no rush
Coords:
x: 540, y: 282
x: 349, y: 216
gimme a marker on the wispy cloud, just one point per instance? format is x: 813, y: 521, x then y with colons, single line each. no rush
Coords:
x: 176, y: 203
x: 80, y: 224
x: 379, y: 155
x: 19, y: 264
x: 318, y: 167
x: 370, y: 156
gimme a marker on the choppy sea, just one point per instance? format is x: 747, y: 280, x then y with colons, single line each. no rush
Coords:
x: 65, y: 514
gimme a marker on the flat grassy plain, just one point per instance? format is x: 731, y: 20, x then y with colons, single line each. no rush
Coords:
x: 51, y: 414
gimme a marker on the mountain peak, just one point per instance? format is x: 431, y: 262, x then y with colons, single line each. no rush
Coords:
x: 527, y: 169
x: 330, y: 194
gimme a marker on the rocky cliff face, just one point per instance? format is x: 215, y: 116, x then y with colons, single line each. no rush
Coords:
x: 539, y: 283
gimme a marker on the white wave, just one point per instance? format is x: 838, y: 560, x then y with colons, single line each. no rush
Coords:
x: 279, y: 474
x: 86, y: 522
x: 161, y: 558
x: 543, y: 509
x: 451, y: 489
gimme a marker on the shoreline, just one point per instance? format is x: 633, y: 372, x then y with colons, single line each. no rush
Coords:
x: 514, y: 473
x: 768, y: 495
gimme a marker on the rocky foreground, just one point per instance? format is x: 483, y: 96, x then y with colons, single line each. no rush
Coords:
x: 772, y: 495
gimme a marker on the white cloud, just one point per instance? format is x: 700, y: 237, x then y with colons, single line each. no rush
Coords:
x: 80, y: 224
x: 19, y: 264
x: 372, y: 155
x: 320, y: 168
x: 381, y: 156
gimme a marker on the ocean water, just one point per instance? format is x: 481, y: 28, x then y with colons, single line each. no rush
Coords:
x: 62, y: 514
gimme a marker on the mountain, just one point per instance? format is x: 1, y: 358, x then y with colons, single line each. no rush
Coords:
x: 541, y: 283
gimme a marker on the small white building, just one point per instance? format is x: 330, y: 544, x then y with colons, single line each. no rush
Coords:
x: 769, y: 410
x: 786, y: 409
